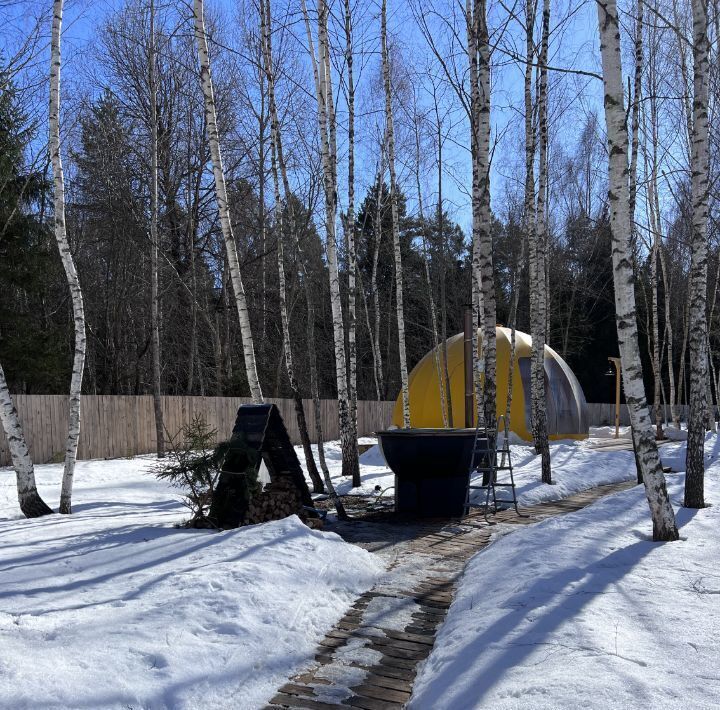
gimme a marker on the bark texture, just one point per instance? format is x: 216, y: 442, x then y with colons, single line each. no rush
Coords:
x: 31, y: 504
x: 663, y: 517
x: 483, y: 279
x: 233, y: 262
x: 68, y: 265
x: 278, y: 157
x: 399, y: 310
x: 695, y: 460
x: 155, y: 243
x: 328, y: 146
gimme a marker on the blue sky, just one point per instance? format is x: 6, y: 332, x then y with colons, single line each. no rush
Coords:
x: 574, y: 44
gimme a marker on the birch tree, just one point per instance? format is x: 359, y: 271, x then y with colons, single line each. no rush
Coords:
x: 374, y: 290
x: 663, y: 517
x: 390, y: 132
x: 483, y: 280
x: 233, y: 262
x: 278, y: 158
x: 350, y: 240
x: 155, y: 242
x: 695, y: 458
x: 535, y: 227
x: 31, y: 504
x: 328, y: 148
x: 68, y: 265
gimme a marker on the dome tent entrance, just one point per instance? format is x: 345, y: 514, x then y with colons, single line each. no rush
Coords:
x: 566, y: 405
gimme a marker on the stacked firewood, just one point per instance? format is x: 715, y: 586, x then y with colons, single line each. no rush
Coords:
x: 278, y: 500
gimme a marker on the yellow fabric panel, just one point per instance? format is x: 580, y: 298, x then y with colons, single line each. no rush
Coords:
x: 425, y: 410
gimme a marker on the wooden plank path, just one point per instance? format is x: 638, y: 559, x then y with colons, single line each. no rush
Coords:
x: 370, y: 658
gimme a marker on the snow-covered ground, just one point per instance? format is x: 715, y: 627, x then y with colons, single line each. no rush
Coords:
x: 585, y: 611
x: 608, y: 432
x: 113, y: 607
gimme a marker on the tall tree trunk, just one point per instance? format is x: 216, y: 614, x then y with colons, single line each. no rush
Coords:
x: 223, y: 206
x: 262, y: 152
x: 443, y: 268
x: 68, y: 265
x: 475, y: 277
x: 31, y: 504
x: 682, y: 388
x: 278, y: 156
x: 669, y: 339
x: 537, y: 232
x: 482, y: 261
x: 399, y: 307
x: 635, y: 132
x: 154, y: 243
x: 428, y: 280
x: 663, y: 517
x: 350, y: 225
x: 374, y: 290
x: 328, y: 146
x: 656, y: 345
x: 695, y: 459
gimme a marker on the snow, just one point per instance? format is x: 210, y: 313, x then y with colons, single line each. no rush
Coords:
x: 113, y: 607
x: 575, y: 468
x: 608, y: 432
x: 584, y: 610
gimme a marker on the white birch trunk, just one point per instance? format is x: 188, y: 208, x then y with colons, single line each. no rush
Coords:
x: 637, y: 90
x: 695, y: 460
x: 399, y: 308
x: 539, y: 317
x: 277, y: 157
x: 483, y: 275
x: 326, y: 120
x: 31, y: 504
x: 68, y: 265
x: 155, y: 244
x: 222, y: 203
x: 663, y: 517
x: 475, y: 279
x: 350, y: 224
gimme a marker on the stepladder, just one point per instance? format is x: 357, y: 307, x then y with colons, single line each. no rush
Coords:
x: 487, y: 461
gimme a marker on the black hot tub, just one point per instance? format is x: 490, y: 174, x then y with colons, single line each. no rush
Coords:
x: 431, y: 468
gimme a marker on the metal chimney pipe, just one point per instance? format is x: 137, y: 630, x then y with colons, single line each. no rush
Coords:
x: 469, y: 366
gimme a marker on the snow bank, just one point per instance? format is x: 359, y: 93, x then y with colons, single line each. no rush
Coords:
x: 113, y: 607
x: 584, y: 611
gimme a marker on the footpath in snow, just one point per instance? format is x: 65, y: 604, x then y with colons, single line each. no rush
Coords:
x: 113, y: 607
x: 584, y: 610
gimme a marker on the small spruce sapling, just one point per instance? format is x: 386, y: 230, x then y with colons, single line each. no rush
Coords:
x: 194, y: 464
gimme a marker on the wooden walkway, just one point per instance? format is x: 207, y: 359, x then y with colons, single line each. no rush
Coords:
x: 371, y: 656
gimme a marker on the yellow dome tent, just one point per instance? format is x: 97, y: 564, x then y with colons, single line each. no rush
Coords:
x: 566, y: 406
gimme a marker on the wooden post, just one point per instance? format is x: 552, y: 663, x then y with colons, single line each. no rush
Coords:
x: 616, y: 362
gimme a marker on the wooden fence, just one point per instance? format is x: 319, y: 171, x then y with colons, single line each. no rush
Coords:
x: 601, y: 414
x: 115, y: 425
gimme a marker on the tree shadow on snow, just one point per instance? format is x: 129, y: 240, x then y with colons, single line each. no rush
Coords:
x: 541, y: 609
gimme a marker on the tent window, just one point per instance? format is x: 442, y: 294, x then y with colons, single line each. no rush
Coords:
x: 563, y: 416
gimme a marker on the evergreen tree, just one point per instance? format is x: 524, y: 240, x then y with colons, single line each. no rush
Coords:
x: 35, y: 346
